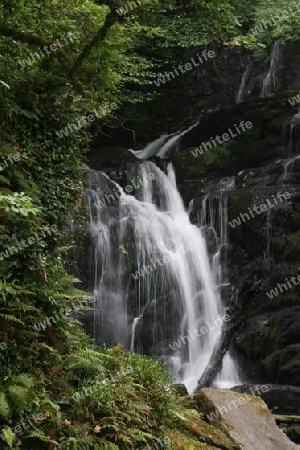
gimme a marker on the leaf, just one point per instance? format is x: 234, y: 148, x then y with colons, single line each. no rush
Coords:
x: 11, y: 318
x: 9, y: 436
x: 4, y: 406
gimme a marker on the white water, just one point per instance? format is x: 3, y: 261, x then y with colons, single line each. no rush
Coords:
x: 163, y: 147
x: 173, y: 298
x: 270, y: 80
x: 288, y: 165
x: 214, y: 224
x: 244, y: 81
x: 291, y: 134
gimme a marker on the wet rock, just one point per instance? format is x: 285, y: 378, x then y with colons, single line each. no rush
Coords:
x: 285, y: 364
x: 293, y: 433
x: 280, y: 399
x: 181, y: 389
x: 248, y: 420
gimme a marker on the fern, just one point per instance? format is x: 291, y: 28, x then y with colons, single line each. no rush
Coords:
x: 9, y: 436
x: 105, y: 445
x: 4, y: 406
x: 39, y: 436
x: 24, y: 380
x: 11, y: 318
x: 89, y: 443
x: 17, y: 395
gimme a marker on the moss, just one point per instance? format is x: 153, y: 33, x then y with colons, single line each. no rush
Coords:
x: 293, y: 249
x: 182, y: 441
x: 204, y: 405
x: 261, y: 407
x: 205, y: 432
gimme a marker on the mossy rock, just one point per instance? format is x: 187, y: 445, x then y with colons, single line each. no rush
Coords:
x: 271, y: 365
x: 205, y: 406
x: 180, y: 389
x: 196, y: 434
x: 283, y: 366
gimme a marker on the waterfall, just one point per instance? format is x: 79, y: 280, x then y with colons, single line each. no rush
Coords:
x: 291, y: 134
x: 213, y: 218
x: 270, y: 80
x: 245, y: 78
x: 164, y: 146
x: 155, y: 288
x: 291, y: 143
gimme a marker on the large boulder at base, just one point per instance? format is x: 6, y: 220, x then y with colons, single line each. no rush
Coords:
x: 247, y: 420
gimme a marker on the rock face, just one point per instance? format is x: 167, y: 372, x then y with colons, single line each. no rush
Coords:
x: 246, y: 418
x: 279, y: 398
x: 258, y: 165
x: 264, y: 248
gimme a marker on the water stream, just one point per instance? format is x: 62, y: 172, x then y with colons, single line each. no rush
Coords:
x: 164, y: 146
x: 242, y: 88
x: 154, y: 282
x: 270, y: 80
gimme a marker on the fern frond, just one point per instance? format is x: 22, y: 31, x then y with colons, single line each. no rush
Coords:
x: 24, y: 380
x: 9, y: 436
x: 4, y: 406
x: 41, y: 437
x: 11, y: 318
x: 17, y: 395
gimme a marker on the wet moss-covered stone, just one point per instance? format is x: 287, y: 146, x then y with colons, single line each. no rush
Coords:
x: 197, y: 434
x: 282, y: 366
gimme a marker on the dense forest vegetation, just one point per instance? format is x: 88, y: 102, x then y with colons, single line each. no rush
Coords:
x: 69, y: 70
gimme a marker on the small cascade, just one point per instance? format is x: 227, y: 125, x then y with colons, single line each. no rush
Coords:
x: 152, y: 277
x: 229, y: 376
x: 291, y: 142
x: 245, y: 78
x: 134, y: 325
x: 214, y: 225
x: 153, y: 147
x: 288, y: 166
x: 270, y: 80
x: 106, y: 270
x: 162, y: 147
x: 291, y: 134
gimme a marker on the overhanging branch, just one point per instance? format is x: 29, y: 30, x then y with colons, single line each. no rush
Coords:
x: 64, y: 61
x: 34, y: 39
x: 111, y: 18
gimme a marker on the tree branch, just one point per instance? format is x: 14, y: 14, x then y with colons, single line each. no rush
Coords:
x: 34, y: 39
x: 69, y: 68
x: 111, y: 18
x: 21, y: 36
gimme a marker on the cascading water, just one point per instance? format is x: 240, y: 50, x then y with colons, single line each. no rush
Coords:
x: 270, y: 80
x: 245, y: 78
x: 291, y: 134
x: 153, y: 281
x: 164, y: 146
x: 213, y: 219
x: 291, y: 142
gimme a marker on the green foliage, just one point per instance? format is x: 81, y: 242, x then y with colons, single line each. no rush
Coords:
x: 274, y: 20
x: 18, y: 203
x: 90, y: 399
x: 217, y: 155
